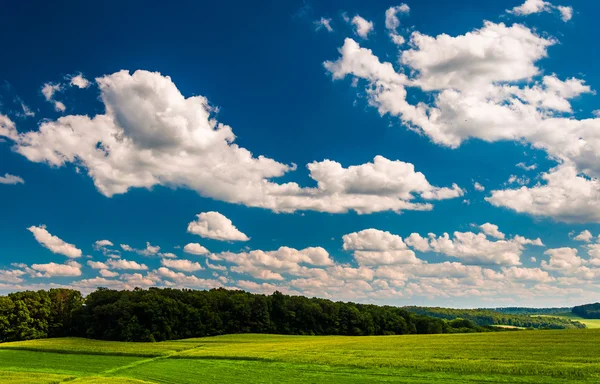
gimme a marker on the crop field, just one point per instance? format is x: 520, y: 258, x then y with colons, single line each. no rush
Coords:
x: 589, y: 323
x: 565, y: 356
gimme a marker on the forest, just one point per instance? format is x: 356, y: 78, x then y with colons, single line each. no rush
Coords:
x: 587, y: 311
x: 158, y: 314
x: 485, y: 317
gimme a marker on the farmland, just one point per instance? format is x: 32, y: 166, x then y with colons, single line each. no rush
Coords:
x: 557, y: 356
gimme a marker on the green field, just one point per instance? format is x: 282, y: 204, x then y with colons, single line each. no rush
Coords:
x: 565, y: 356
x: 589, y: 323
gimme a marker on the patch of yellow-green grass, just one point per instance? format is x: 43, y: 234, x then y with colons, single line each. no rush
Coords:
x: 74, y: 345
x: 589, y: 323
x: 31, y: 378
x: 569, y: 354
x: 109, y: 380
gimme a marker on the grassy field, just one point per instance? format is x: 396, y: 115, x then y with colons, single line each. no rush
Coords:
x: 571, y: 356
x: 589, y: 323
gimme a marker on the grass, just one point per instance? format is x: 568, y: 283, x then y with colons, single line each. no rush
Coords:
x: 589, y: 323
x: 565, y: 356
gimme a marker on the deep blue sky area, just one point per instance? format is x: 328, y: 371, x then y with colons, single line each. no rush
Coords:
x: 261, y: 64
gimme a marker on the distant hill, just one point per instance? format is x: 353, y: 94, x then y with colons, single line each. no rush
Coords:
x: 530, y: 311
x: 486, y: 317
x: 587, y: 311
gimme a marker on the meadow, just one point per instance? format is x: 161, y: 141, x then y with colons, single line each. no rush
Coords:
x: 553, y: 356
x: 589, y: 323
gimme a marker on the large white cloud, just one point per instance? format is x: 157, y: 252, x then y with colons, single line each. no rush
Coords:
x: 214, y: 225
x: 195, y: 249
x: 152, y: 135
x: 182, y: 265
x: 486, y: 84
x: 375, y: 247
x: 54, y: 243
x: 71, y: 268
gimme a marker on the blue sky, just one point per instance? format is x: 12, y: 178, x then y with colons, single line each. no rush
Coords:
x: 327, y: 148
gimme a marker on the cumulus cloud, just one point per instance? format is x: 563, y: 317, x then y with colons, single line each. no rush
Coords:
x: 195, y: 249
x: 54, y: 243
x: 362, y: 27
x: 585, y: 236
x: 491, y: 230
x: 538, y: 6
x: 375, y: 247
x: 126, y: 264
x: 11, y: 275
x: 486, y: 84
x: 49, y: 90
x: 150, y: 134
x: 214, y: 225
x: 11, y: 179
x: 323, y: 23
x: 71, y: 268
x: 564, y: 258
x: 535, y: 275
x: 392, y: 22
x: 182, y: 265
x: 478, y: 187
x: 79, y: 81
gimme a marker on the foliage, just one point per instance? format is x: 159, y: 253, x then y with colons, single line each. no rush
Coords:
x: 530, y: 311
x: 168, y: 314
x: 487, y: 317
x: 588, y: 311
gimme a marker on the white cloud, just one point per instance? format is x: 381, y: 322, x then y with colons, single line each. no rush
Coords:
x: 182, y: 265
x: 11, y: 275
x: 323, y: 23
x: 566, y: 13
x: 195, y: 249
x: 585, y: 236
x: 11, y: 179
x: 168, y: 255
x: 417, y: 242
x: 71, y: 268
x: 107, y: 273
x: 48, y: 90
x: 538, y: 6
x: 478, y: 187
x: 375, y: 247
x: 97, y: 264
x: 392, y: 22
x: 566, y: 196
x: 534, y: 275
x: 362, y: 27
x: 491, y: 230
x: 53, y: 243
x: 474, y: 248
x: 531, y: 167
x: 79, y: 81
x: 126, y: 264
x: 562, y: 259
x: 150, y: 250
x: 152, y: 135
x: 187, y: 280
x: 213, y: 225
x: 27, y: 112
x: 99, y: 244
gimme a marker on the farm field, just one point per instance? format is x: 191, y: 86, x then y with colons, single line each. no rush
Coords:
x: 589, y: 323
x: 565, y: 356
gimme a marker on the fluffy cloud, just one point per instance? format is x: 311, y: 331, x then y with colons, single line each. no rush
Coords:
x: 213, y: 225
x: 152, y: 135
x: 79, y: 81
x: 53, y: 243
x: 71, y: 268
x: 477, y: 249
x: 184, y: 280
x: 195, y: 249
x: 585, y: 236
x: 534, y: 275
x: 97, y: 264
x: 48, y: 90
x: 392, y: 22
x: 375, y: 247
x: 566, y: 196
x: 182, y: 265
x: 562, y: 259
x: 126, y: 264
x: 491, y: 230
x: 102, y: 243
x: 11, y: 179
x: 11, y: 275
x: 478, y: 187
x: 362, y: 27
x: 486, y: 84
x: 538, y: 6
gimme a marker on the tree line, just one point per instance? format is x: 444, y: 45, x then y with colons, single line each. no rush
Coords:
x: 531, y: 311
x: 587, y: 311
x: 158, y: 314
x: 485, y: 317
